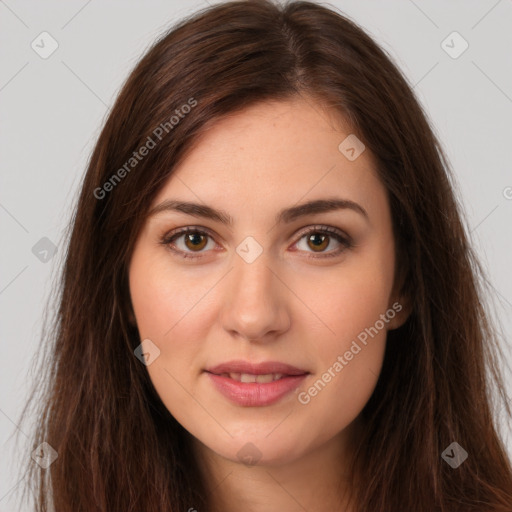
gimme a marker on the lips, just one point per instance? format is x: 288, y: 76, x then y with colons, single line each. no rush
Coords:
x: 255, y: 384
x: 264, y: 368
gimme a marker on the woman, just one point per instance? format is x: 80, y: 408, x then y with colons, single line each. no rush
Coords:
x: 269, y: 301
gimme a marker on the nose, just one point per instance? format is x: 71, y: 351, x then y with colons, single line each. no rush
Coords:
x: 254, y: 307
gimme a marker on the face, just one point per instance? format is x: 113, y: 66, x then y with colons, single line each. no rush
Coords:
x: 293, y: 306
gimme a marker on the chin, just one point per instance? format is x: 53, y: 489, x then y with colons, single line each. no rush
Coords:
x: 258, y: 450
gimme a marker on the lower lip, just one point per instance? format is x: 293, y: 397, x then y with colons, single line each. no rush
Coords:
x: 254, y: 394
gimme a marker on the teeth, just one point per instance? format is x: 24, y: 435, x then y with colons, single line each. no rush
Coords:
x: 261, y: 379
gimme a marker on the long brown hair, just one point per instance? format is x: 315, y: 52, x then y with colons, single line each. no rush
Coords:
x: 119, y: 448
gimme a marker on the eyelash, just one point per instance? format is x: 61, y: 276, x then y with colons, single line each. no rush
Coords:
x: 324, y: 230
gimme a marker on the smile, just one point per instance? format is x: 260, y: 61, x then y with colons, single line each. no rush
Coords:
x: 255, y: 384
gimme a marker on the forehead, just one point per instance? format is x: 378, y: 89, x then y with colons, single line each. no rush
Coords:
x: 273, y: 154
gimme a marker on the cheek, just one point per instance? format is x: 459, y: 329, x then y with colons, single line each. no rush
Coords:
x: 166, y: 309
x: 355, y: 307
x: 173, y: 308
x: 347, y: 367
x: 352, y: 298
x: 162, y: 296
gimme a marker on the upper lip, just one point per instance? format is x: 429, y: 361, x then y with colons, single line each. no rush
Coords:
x: 266, y: 367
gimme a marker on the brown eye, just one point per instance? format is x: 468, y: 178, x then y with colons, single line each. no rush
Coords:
x: 318, y: 242
x: 187, y: 241
x: 195, y: 241
x: 319, y: 238
x: 192, y: 242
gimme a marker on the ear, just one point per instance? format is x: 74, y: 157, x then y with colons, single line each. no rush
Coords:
x: 130, y: 314
x: 131, y: 318
x: 399, y: 310
x: 400, y: 301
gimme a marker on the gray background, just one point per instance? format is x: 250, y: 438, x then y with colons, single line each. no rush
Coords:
x: 52, y: 110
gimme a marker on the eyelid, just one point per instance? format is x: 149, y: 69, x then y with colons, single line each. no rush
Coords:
x: 341, y: 237
x: 167, y: 239
x: 187, y: 229
x: 322, y: 228
x: 344, y: 239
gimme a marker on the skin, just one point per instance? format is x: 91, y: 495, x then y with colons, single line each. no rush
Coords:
x: 289, y: 305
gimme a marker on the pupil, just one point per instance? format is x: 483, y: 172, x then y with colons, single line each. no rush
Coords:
x: 317, y: 236
x: 320, y: 239
x: 191, y: 237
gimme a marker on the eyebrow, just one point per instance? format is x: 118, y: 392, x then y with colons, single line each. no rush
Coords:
x: 284, y: 216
